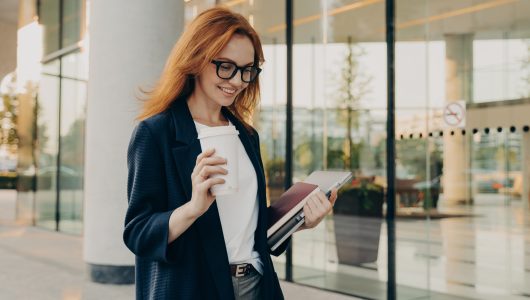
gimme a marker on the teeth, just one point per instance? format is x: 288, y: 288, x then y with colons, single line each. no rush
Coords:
x: 228, y: 91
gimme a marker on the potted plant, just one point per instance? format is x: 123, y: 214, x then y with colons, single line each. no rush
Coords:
x: 358, y: 216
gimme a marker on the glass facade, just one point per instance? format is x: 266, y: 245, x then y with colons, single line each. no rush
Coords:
x: 72, y: 132
x: 47, y: 151
x: 344, y: 97
x: 470, y: 55
x: 62, y: 22
x: 50, y: 19
x: 461, y: 70
x: 50, y: 191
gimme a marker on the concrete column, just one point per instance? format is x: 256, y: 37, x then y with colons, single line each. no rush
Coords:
x: 129, y: 44
x: 459, y: 86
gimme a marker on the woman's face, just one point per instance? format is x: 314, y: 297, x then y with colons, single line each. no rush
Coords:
x: 240, y: 51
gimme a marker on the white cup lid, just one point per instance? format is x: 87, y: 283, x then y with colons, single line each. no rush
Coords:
x: 217, y: 130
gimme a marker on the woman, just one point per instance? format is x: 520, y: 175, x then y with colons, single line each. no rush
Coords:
x: 188, y: 243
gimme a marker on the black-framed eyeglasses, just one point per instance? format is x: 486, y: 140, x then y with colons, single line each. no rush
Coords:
x: 227, y: 70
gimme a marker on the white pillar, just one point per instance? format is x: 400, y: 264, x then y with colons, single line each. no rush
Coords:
x: 459, y: 86
x: 129, y: 44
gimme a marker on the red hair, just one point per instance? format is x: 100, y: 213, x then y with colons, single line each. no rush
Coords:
x: 203, y: 39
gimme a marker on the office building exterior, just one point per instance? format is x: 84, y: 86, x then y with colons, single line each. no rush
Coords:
x: 462, y: 70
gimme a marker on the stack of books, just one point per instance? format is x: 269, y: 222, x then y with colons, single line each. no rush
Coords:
x: 286, y: 215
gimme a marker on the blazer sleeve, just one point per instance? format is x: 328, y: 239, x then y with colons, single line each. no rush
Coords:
x: 285, y: 244
x: 147, y: 218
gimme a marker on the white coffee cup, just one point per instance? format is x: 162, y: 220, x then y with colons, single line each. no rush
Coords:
x: 225, y: 141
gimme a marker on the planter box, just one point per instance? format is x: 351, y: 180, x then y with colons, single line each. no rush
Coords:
x: 357, y: 239
x: 358, y: 216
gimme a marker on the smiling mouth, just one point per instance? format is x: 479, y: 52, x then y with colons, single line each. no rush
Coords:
x: 227, y: 90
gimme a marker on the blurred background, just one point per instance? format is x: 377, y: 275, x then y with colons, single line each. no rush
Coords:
x: 70, y: 69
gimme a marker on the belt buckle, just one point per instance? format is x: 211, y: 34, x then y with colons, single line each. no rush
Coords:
x: 241, y: 270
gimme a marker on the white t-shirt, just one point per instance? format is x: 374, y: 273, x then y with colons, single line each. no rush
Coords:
x: 239, y: 213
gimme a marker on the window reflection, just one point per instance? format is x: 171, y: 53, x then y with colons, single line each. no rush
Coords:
x: 73, y: 21
x: 46, y: 152
x: 73, y: 102
x: 49, y: 18
x: 60, y: 168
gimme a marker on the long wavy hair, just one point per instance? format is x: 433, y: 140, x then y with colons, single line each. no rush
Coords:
x: 203, y: 39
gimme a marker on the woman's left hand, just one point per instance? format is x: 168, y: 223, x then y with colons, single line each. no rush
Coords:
x: 317, y: 207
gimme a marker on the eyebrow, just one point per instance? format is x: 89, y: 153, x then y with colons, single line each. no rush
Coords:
x: 228, y: 59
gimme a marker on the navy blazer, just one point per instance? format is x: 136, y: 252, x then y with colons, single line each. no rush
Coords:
x: 161, y: 157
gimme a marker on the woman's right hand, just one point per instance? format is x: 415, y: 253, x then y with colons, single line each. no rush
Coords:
x: 205, y: 166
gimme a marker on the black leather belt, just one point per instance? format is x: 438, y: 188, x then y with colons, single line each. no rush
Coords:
x: 241, y: 270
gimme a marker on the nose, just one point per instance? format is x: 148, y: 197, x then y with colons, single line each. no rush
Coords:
x: 236, y: 80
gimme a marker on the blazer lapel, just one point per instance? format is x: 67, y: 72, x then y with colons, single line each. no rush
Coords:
x: 185, y: 154
x: 209, y: 224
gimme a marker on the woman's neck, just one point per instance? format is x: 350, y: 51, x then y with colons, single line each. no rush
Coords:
x: 205, y: 111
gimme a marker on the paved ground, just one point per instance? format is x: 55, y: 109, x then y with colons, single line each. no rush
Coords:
x: 42, y: 264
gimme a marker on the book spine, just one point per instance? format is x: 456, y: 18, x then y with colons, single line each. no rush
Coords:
x: 290, y: 214
x: 286, y: 231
